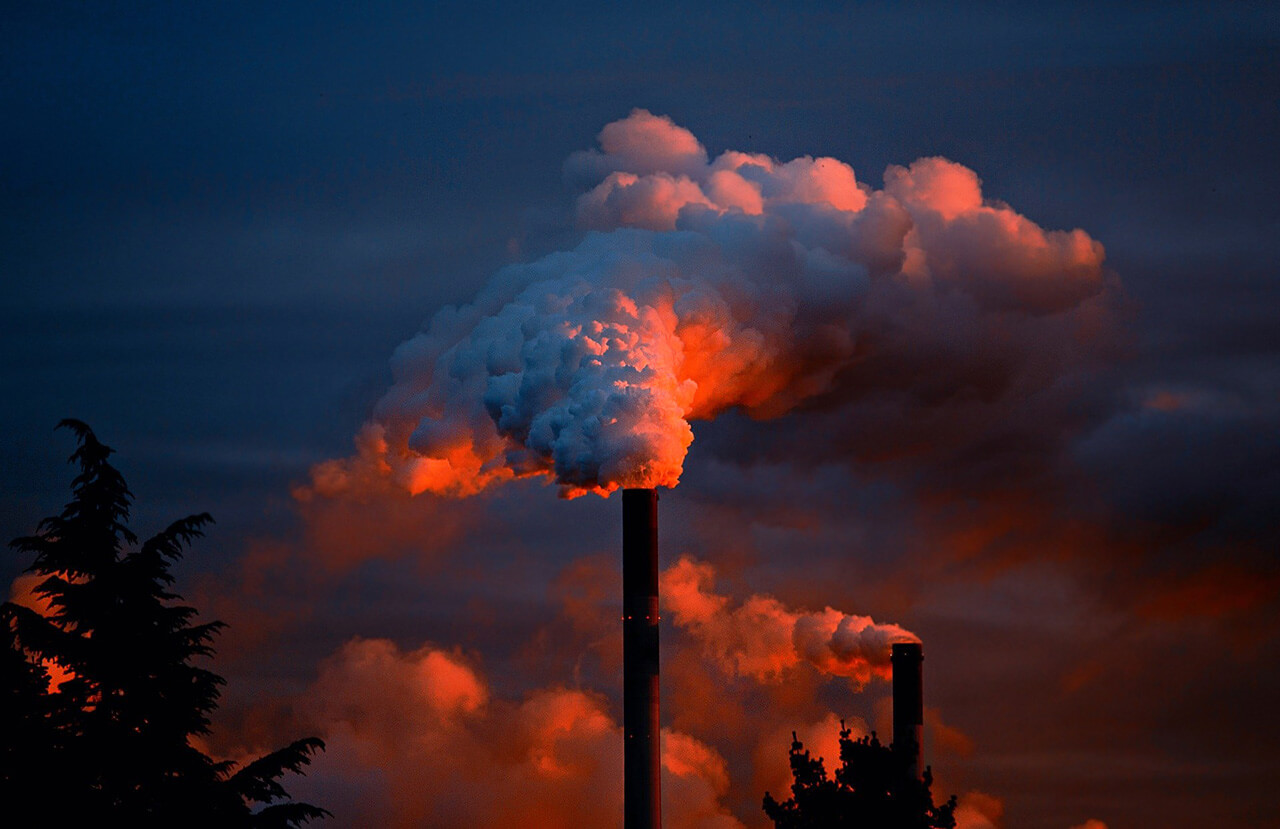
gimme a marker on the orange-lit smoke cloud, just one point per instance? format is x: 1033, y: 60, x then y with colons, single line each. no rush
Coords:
x: 708, y: 284
x: 429, y: 744
x: 978, y: 810
x: 763, y: 639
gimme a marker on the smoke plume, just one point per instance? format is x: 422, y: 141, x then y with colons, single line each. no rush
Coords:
x: 703, y: 285
x: 763, y: 639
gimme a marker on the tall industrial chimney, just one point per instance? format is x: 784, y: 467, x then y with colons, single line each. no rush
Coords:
x: 908, y: 701
x: 642, y: 757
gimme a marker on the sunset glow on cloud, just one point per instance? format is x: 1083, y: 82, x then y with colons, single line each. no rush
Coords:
x: 764, y: 639
x: 23, y: 592
x: 739, y: 282
x: 441, y: 749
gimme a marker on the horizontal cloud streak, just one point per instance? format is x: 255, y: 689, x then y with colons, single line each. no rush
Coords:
x: 764, y: 639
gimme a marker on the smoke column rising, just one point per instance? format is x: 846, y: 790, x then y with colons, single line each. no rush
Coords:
x: 703, y: 285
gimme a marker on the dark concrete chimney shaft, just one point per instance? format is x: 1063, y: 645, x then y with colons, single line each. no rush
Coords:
x: 908, y: 701
x: 642, y: 758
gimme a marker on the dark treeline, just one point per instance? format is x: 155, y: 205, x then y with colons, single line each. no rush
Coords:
x: 873, y: 788
x: 113, y: 741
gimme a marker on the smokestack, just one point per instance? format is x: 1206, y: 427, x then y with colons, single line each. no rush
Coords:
x: 642, y: 758
x: 908, y: 702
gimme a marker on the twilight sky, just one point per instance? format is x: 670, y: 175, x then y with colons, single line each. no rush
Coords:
x: 220, y: 223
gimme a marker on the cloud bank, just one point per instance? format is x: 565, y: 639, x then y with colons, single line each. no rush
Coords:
x: 418, y: 738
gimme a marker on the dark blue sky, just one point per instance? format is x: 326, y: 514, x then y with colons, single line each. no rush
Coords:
x: 217, y: 222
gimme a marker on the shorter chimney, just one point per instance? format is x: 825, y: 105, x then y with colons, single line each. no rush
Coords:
x: 908, y: 702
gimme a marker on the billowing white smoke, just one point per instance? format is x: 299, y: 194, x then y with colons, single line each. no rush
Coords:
x: 702, y: 285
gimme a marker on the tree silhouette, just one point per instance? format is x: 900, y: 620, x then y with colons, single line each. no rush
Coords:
x: 873, y: 789
x: 114, y: 739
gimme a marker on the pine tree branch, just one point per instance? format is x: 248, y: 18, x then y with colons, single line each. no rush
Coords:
x: 257, y: 781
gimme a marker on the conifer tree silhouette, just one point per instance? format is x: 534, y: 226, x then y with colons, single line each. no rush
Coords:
x: 113, y: 741
x: 872, y: 789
